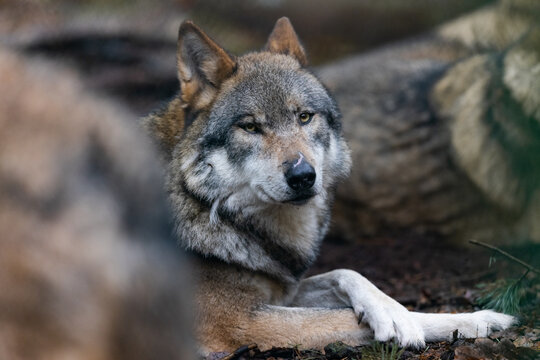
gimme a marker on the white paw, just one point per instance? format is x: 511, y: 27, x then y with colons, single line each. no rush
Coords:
x: 482, y: 323
x: 390, y: 320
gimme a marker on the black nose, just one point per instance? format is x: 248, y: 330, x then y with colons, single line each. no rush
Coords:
x: 301, y: 176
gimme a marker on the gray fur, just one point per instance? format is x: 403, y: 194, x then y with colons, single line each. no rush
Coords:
x: 217, y: 212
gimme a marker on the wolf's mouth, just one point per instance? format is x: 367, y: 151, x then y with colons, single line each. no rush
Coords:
x: 301, y: 199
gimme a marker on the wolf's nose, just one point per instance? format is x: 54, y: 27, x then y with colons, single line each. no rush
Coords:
x: 301, y: 176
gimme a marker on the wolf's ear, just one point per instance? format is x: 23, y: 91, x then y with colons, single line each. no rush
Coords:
x: 283, y: 40
x: 201, y: 62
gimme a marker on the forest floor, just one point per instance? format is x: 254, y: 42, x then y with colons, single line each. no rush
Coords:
x: 429, y: 275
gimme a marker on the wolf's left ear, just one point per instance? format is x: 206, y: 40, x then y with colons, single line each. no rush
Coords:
x: 202, y: 64
x: 283, y: 40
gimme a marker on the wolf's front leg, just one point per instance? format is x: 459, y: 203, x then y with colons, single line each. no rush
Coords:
x: 308, y: 328
x: 438, y: 327
x: 388, y: 318
x: 347, y: 288
x: 278, y: 326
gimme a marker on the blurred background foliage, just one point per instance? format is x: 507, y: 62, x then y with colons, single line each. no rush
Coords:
x: 329, y: 29
x: 126, y: 48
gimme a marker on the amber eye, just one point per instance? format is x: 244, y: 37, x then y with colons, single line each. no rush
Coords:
x: 305, y: 118
x: 250, y: 128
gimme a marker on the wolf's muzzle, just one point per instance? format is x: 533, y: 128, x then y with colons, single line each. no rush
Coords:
x: 300, y: 175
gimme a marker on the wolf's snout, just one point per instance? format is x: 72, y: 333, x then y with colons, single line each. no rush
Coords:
x: 300, y: 175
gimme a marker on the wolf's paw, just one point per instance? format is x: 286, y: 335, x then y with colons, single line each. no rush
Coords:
x: 482, y: 323
x: 390, y: 320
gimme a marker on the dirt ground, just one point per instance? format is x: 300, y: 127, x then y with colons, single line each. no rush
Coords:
x: 422, y: 272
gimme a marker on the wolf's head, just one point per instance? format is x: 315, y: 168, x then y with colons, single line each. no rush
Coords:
x: 260, y: 129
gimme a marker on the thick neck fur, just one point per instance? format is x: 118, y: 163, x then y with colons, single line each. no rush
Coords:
x: 281, y: 240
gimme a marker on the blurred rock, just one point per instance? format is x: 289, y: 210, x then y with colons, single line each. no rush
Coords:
x: 89, y: 270
x: 445, y: 139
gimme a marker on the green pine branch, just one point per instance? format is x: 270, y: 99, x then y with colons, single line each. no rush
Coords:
x: 506, y: 295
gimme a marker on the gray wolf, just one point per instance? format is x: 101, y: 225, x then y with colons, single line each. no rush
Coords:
x: 88, y: 267
x: 255, y: 149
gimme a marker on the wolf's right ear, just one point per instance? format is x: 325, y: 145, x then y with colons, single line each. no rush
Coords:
x: 283, y: 40
x: 202, y: 64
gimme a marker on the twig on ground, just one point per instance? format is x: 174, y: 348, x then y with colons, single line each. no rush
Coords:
x: 507, y: 255
x: 239, y: 351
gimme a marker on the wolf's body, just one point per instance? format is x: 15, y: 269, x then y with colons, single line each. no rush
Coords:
x: 87, y: 265
x: 255, y: 148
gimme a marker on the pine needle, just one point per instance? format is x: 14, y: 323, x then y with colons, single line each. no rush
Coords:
x: 382, y: 351
x: 503, y: 295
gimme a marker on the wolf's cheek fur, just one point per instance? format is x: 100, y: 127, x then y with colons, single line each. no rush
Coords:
x: 234, y: 181
x: 267, y: 179
x: 229, y: 177
x: 338, y: 158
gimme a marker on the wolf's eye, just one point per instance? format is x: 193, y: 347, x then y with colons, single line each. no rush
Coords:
x: 250, y: 128
x: 305, y: 118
